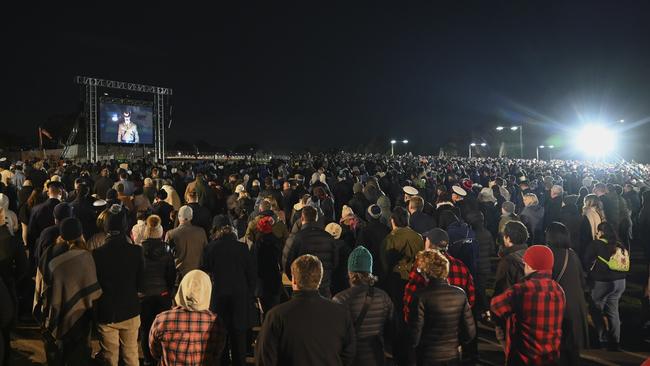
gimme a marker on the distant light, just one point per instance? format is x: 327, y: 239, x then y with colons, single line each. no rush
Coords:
x: 179, y: 153
x: 114, y: 118
x: 483, y: 144
x: 551, y: 146
x: 514, y: 128
x: 105, y: 93
x: 500, y: 128
x: 392, y: 141
x: 596, y: 140
x: 541, y: 146
x: 405, y: 141
x: 472, y: 144
x: 621, y: 121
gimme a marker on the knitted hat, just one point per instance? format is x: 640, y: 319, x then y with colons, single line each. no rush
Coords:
x: 334, y: 229
x: 438, y: 238
x: 62, y: 211
x: 115, y: 220
x: 70, y: 228
x: 265, y: 224
x: 467, y: 184
x: 360, y: 260
x: 374, y: 211
x: 508, y: 207
x: 347, y: 211
x: 539, y: 258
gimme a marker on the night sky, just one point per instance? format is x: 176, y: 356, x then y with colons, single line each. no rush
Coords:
x: 327, y: 75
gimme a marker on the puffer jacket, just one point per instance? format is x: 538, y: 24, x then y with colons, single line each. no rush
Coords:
x: 313, y: 240
x: 379, y: 318
x: 440, y: 321
x: 159, y: 272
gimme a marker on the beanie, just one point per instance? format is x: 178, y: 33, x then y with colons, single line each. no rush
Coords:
x: 334, y: 229
x: 70, y: 228
x: 346, y: 211
x: 539, y: 258
x: 360, y: 260
x: 62, y: 210
x: 115, y: 219
x: 374, y: 211
x: 439, y: 238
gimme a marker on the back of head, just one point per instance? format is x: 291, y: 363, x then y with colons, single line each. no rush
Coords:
x: 265, y: 205
x: 194, y: 291
x: 307, y: 272
x: 508, y: 207
x: 516, y: 231
x: 530, y: 199
x: 334, y: 229
x: 557, y: 236
x: 416, y: 204
x: 400, y: 217
x: 115, y: 221
x: 309, y: 215
x: 185, y: 214
x: 154, y: 229
x: 432, y: 264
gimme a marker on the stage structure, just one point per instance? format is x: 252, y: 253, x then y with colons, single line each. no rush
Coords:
x: 89, y: 87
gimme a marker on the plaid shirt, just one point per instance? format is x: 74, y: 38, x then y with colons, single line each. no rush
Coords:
x: 182, y: 337
x: 533, y: 311
x: 458, y: 276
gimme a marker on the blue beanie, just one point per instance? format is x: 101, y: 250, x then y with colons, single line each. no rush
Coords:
x: 360, y: 260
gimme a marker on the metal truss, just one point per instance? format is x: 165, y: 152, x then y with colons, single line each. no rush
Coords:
x: 83, y: 80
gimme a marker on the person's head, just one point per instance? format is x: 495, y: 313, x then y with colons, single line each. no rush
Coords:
x: 194, y: 291
x: 360, y: 267
x: 222, y: 227
x: 127, y: 117
x: 334, y: 229
x: 185, y: 214
x: 486, y: 195
x: 192, y: 197
x: 592, y: 201
x: 265, y: 205
x: 628, y: 188
x: 538, y: 258
x: 556, y: 191
x: 286, y: 186
x: 515, y: 233
x: 154, y: 229
x: 432, y: 264
x: 557, y: 236
x: 71, y: 234
x: 161, y: 195
x: 507, y: 208
x: 436, y: 239
x: 62, y: 211
x: 457, y: 194
x: 306, y: 273
x: 605, y: 231
x: 55, y: 190
x: 416, y: 204
x: 104, y: 172
x: 530, y: 199
x: 600, y: 189
x: 399, y: 218
x: 308, y: 215
x: 115, y: 222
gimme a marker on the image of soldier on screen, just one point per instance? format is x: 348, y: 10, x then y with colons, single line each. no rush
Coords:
x: 127, y: 132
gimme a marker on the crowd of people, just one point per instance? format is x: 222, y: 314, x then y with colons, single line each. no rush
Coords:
x: 344, y: 259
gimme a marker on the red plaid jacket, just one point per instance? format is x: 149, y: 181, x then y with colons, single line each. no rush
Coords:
x: 533, y: 310
x: 458, y: 276
x: 182, y: 337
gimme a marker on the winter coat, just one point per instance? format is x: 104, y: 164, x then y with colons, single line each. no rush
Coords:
x: 421, y: 222
x: 575, y: 332
x: 292, y: 335
x: 372, y: 236
x: 164, y: 210
x: 595, y: 268
x: 201, y: 217
x: 533, y: 218
x: 316, y: 241
x: 399, y: 249
x: 552, y: 209
x: 510, y: 269
x: 463, y: 245
x: 187, y: 242
x: 359, y: 204
x: 441, y: 320
x: 159, y: 272
x: 570, y: 217
x: 41, y: 217
x: 492, y: 216
x: 377, y: 325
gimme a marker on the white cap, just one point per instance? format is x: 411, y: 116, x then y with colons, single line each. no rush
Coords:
x: 411, y: 191
x: 185, y: 213
x: 459, y: 191
x: 240, y: 188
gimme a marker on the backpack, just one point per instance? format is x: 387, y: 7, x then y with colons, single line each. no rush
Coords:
x: 619, y: 261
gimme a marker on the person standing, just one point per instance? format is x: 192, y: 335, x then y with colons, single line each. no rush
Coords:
x: 42, y: 215
x: 533, y: 311
x: 119, y: 271
x: 189, y: 334
x: 607, y: 285
x: 592, y: 216
x: 510, y: 268
x: 291, y: 333
x: 187, y: 242
x: 372, y: 236
x: 440, y: 318
x: 230, y: 266
x: 370, y: 307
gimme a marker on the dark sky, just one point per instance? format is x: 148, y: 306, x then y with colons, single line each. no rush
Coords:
x: 328, y: 75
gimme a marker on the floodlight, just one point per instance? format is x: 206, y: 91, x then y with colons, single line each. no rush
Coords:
x: 472, y: 144
x: 596, y: 140
x: 483, y: 144
x: 541, y: 146
x: 392, y: 141
x: 114, y: 118
x: 500, y: 128
x: 405, y: 141
x: 551, y: 146
x: 514, y: 128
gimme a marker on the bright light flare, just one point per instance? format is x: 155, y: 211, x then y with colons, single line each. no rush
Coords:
x: 596, y: 140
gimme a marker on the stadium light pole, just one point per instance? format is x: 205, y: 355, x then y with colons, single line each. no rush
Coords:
x: 550, y: 147
x: 474, y: 144
x: 392, y: 147
x: 519, y: 128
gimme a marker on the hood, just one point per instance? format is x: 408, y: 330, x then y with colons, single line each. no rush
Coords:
x: 154, y: 248
x: 4, y: 201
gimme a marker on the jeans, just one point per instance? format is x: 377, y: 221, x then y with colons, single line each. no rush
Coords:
x: 120, y: 338
x: 151, y: 306
x: 606, y: 296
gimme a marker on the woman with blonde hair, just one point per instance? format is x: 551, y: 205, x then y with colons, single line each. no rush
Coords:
x: 592, y: 216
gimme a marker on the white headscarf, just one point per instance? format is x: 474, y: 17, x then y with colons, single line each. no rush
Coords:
x: 194, y: 291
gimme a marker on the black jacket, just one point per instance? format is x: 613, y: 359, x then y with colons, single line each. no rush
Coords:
x: 533, y: 218
x: 83, y: 210
x: 41, y: 217
x: 119, y: 271
x: 306, y: 330
x: 440, y: 321
x: 45, y: 240
x: 201, y: 217
x: 316, y: 241
x: 510, y: 269
x: 596, y: 269
x: 359, y: 204
x: 552, y: 209
x: 231, y: 267
x: 164, y: 209
x: 421, y: 222
x: 159, y: 272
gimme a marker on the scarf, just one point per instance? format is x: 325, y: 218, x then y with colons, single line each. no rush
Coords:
x: 194, y: 291
x: 594, y: 220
